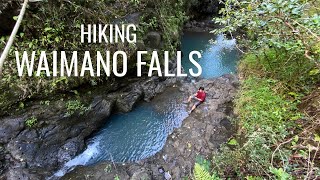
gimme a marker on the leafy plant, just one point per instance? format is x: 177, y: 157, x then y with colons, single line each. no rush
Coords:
x: 288, y: 25
x: 281, y: 68
x: 233, y: 142
x: 74, y: 106
x: 31, y: 122
x: 203, y: 163
x: 135, y: 2
x: 253, y: 178
x: 47, y: 103
x: 56, y: 26
x: 201, y: 174
x: 168, y: 18
x: 116, y: 177
x: 108, y: 168
x: 280, y: 174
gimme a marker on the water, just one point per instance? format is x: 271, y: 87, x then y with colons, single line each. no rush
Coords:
x: 217, y: 58
x: 143, y: 132
x: 135, y: 135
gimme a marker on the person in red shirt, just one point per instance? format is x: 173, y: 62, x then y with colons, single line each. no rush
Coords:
x: 200, y: 97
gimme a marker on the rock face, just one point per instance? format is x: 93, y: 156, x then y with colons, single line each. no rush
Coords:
x: 201, y: 134
x: 205, y: 8
x: 55, y: 139
x: 36, y: 152
x: 205, y: 25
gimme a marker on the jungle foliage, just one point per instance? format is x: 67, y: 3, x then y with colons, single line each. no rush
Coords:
x: 278, y: 135
x: 54, y: 25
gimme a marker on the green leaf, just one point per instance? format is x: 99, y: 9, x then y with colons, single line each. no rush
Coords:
x: 317, y: 138
x: 314, y: 72
x: 15, y: 18
x: 293, y: 94
x: 2, y: 38
x: 200, y: 173
x: 233, y: 142
x: 280, y: 173
x: 47, y: 29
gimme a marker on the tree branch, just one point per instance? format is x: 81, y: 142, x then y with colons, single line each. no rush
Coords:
x: 12, y: 36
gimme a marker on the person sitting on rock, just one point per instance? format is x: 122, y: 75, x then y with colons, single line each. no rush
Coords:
x: 200, y: 96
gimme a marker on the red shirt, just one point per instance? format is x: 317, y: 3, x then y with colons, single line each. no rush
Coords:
x: 201, y: 95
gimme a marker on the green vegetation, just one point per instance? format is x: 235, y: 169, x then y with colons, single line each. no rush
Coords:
x: 289, y: 25
x: 202, y: 170
x: 278, y: 135
x: 167, y: 17
x: 201, y: 174
x: 31, y: 122
x: 108, y: 168
x: 54, y: 25
x: 75, y: 106
x: 278, y: 123
x: 116, y: 177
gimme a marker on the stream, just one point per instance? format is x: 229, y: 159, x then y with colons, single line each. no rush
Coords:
x: 139, y: 134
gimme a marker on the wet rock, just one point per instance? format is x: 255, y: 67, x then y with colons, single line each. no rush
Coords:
x: 2, y: 159
x: 152, y: 87
x: 69, y: 150
x: 204, y: 25
x: 133, y: 18
x: 102, y: 171
x: 128, y: 98
x: 188, y: 25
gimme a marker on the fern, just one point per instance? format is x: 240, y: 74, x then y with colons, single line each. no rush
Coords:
x: 200, y: 173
